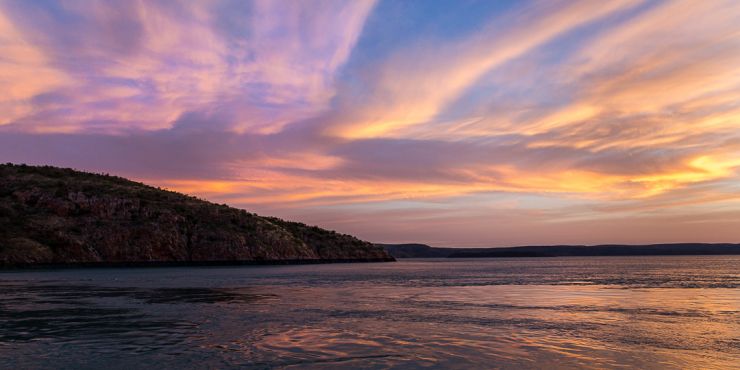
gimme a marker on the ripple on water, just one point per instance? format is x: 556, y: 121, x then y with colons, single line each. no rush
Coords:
x: 543, y: 313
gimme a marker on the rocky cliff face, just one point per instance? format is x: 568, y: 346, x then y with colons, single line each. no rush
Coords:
x: 52, y: 215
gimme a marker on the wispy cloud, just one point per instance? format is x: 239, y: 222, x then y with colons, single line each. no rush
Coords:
x: 143, y: 64
x: 417, y: 84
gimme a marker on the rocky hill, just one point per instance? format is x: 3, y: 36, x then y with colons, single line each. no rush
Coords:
x: 57, y: 216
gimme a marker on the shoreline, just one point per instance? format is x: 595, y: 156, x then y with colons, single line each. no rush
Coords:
x: 158, y: 264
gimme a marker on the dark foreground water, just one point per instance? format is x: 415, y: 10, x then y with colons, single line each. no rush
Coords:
x: 589, y: 312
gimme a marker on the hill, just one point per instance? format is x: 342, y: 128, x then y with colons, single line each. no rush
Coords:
x: 57, y: 216
x: 416, y: 251
x: 602, y: 250
x: 425, y: 251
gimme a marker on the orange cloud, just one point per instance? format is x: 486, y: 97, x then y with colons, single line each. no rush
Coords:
x: 24, y: 73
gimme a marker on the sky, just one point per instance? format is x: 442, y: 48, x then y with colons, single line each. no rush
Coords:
x: 452, y: 123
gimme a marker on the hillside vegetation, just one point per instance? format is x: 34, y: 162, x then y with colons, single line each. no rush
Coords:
x: 52, y: 215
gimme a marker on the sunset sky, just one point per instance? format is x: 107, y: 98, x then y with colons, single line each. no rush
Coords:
x: 452, y: 123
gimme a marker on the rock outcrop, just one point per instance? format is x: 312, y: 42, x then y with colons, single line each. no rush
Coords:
x: 56, y: 216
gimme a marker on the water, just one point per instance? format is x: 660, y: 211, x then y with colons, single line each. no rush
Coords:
x: 589, y: 312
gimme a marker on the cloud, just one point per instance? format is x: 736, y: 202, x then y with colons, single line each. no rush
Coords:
x: 417, y: 84
x: 561, y: 120
x: 24, y: 73
x: 140, y: 65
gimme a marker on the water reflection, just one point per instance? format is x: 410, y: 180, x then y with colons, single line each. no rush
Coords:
x: 544, y: 313
x: 94, y: 314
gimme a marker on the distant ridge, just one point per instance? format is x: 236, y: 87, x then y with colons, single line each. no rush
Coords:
x: 53, y: 216
x: 416, y: 251
x: 425, y: 251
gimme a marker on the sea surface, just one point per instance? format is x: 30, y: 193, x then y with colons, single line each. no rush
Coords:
x: 675, y: 312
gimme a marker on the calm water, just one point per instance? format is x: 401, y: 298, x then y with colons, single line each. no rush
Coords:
x: 590, y: 312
